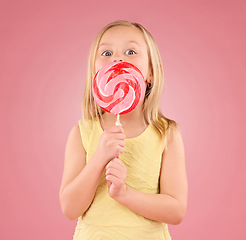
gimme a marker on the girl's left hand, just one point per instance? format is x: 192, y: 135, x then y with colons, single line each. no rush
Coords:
x: 116, y: 176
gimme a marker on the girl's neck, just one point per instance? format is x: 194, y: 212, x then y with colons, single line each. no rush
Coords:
x: 134, y: 118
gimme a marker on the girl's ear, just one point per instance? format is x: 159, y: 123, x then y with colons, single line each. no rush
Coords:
x: 150, y: 78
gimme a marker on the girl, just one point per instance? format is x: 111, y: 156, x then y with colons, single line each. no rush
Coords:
x: 129, y: 181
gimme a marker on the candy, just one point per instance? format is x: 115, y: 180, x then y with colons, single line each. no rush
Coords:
x: 118, y: 87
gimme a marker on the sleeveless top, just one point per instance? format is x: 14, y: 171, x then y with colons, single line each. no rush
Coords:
x: 106, y: 218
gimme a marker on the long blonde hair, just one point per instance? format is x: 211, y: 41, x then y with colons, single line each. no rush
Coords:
x: 151, y: 105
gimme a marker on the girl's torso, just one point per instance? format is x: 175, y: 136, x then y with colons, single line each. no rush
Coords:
x: 106, y: 217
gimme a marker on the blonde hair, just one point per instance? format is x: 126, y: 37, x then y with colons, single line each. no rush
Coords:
x: 151, y: 105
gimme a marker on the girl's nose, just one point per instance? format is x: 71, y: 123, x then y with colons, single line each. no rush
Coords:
x: 118, y: 60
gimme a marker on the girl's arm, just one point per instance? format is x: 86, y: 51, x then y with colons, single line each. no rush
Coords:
x: 80, y: 180
x: 170, y: 205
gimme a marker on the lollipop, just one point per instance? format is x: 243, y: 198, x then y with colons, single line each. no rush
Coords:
x: 118, y: 88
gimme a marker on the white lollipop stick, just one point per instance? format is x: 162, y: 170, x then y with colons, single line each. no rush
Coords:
x: 117, y: 123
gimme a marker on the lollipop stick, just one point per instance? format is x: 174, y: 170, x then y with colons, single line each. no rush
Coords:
x: 117, y: 123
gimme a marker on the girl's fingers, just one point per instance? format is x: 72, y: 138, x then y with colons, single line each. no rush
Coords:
x: 119, y: 136
x: 116, y: 129
x: 117, y: 169
x: 115, y: 163
x: 115, y: 172
x: 117, y: 160
x: 114, y: 180
x: 109, y: 183
x: 121, y: 143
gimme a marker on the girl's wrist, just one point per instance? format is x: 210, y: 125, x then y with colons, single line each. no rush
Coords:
x: 123, y: 196
x: 99, y: 160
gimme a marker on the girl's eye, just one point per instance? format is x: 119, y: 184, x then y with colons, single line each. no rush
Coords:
x: 106, y: 53
x: 130, y: 52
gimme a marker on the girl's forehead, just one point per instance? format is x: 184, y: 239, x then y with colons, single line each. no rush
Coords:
x: 122, y: 33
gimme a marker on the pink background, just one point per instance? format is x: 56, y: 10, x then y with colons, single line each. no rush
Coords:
x: 44, y: 49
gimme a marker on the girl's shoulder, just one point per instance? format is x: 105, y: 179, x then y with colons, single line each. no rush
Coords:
x: 164, y: 125
x: 166, y: 128
x: 85, y: 123
x: 167, y: 122
x: 85, y: 127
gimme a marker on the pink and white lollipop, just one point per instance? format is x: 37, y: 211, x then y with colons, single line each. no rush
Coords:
x: 118, y: 87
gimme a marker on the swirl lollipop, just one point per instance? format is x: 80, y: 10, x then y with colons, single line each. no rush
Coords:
x: 118, y: 88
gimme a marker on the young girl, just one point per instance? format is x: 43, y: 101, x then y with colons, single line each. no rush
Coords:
x: 129, y: 181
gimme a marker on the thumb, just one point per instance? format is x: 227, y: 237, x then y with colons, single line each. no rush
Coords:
x: 109, y: 183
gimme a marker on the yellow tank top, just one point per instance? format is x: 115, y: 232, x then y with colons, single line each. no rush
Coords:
x: 106, y: 218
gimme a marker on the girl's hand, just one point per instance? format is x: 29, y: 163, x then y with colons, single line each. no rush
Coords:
x: 116, y: 176
x: 111, y: 143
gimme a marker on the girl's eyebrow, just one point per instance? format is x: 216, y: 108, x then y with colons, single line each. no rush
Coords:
x: 102, y: 44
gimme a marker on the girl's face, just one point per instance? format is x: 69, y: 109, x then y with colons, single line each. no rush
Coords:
x: 123, y: 43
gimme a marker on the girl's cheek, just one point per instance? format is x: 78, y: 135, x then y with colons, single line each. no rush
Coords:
x: 141, y: 67
x: 99, y: 63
